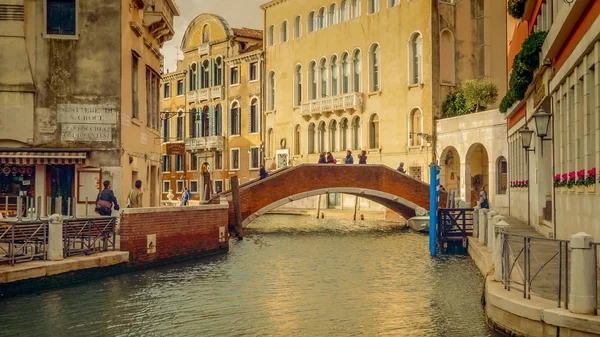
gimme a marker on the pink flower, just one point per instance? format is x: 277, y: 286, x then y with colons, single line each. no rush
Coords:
x: 581, y: 174
x: 565, y: 176
x: 526, y: 182
x: 592, y: 172
x: 572, y: 175
x: 557, y: 177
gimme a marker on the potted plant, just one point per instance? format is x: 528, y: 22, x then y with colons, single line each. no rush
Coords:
x: 580, y: 181
x: 590, y: 180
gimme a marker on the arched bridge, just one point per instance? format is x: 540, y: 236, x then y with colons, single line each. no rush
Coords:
x: 378, y: 183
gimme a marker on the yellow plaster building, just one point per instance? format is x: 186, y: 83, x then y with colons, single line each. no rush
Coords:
x: 218, y: 121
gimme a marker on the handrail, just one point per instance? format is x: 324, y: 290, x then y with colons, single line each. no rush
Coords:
x: 23, y: 241
x: 88, y: 235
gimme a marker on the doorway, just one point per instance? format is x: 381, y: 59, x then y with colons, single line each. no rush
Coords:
x: 59, y: 183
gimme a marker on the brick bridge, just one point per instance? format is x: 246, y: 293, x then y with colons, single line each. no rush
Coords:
x: 377, y: 183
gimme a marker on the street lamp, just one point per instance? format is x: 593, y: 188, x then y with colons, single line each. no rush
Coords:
x: 526, y: 136
x: 542, y: 121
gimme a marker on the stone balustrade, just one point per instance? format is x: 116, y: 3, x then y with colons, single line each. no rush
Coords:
x: 352, y: 101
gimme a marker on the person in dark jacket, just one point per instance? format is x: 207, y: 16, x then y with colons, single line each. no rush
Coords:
x: 362, y: 157
x: 330, y: 159
x: 322, y: 159
x: 106, y: 200
x: 401, y: 168
x: 263, y: 173
x: 349, y: 159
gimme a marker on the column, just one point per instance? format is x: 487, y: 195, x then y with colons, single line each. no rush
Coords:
x: 483, y: 224
x: 55, y: 238
x: 583, y: 283
x: 499, y: 228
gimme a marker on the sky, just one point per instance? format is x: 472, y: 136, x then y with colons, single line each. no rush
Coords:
x: 238, y: 13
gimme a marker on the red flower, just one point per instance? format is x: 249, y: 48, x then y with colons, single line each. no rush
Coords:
x: 592, y: 172
x: 565, y: 176
x: 572, y: 175
x: 581, y: 174
x: 557, y: 177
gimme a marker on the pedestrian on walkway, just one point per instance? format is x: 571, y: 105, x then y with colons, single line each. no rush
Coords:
x: 106, y: 200
x: 349, y: 159
x: 330, y: 159
x: 186, y: 195
x: 263, y: 173
x: 401, y: 168
x: 135, y: 195
x: 483, y: 198
x: 322, y: 158
x: 362, y: 157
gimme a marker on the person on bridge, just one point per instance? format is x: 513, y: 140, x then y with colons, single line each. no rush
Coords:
x: 136, y: 195
x: 322, y: 159
x: 349, y: 159
x: 330, y: 159
x: 106, y: 200
x: 362, y: 157
x: 263, y: 173
x: 401, y: 168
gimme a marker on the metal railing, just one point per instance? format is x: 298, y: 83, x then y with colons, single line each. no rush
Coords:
x: 455, y: 222
x: 536, y: 265
x: 23, y: 241
x: 595, y: 247
x: 88, y: 235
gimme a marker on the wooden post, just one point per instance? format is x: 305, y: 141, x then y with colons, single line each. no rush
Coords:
x: 237, y: 210
x: 319, y: 206
x: 355, y: 206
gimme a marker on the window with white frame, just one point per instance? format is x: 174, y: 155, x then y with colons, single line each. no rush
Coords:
x: 298, y: 85
x: 344, y: 10
x: 355, y: 9
x: 254, y: 116
x: 415, y: 54
x: 167, y: 90
x: 205, y: 75
x: 373, y: 6
x: 205, y: 33
x: 345, y: 74
x: 297, y: 139
x: 271, y: 36
x: 166, y: 130
x: 218, y: 186
x: 234, y: 159
x: 218, y: 131
x: 166, y: 163
x: 344, y: 134
x: 323, y: 76
x: 332, y: 15
x: 194, y: 186
x: 218, y: 71
x: 254, y: 158
x: 374, y: 132
x: 333, y: 128
x: 180, y: 126
x: 180, y: 185
x: 193, y: 77
x: 193, y: 162
x: 356, y: 70
x: 298, y: 27
x: 356, y: 133
x: 166, y: 186
x: 321, y: 136
x: 179, y: 163
x: 234, y: 75
x: 180, y: 88
x: 321, y: 19
x: 272, y: 90
x: 334, y: 75
x: 284, y: 31
x: 415, y: 125
x: 313, y: 79
x: 61, y: 17
x: 375, y: 67
x: 311, y: 138
x: 311, y: 22
x: 218, y: 160
x: 253, y: 71
x: 235, y: 119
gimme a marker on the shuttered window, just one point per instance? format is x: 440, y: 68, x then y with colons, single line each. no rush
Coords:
x: 61, y: 17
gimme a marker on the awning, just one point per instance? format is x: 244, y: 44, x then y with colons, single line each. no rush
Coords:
x: 42, y: 158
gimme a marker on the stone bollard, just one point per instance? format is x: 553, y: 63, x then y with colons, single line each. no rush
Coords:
x: 475, y: 222
x: 483, y: 223
x: 55, y: 238
x: 583, y: 285
x: 491, y: 224
x: 499, y: 228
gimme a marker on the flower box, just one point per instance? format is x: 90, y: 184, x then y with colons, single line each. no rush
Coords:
x: 591, y: 189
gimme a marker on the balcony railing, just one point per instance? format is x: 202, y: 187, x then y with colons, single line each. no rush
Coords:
x: 216, y: 92
x: 203, y: 94
x: 192, y: 96
x: 351, y: 102
x: 211, y: 143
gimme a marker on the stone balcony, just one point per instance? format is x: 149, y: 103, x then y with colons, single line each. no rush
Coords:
x: 352, y: 102
x: 192, y: 96
x: 216, y: 92
x: 158, y: 18
x: 201, y: 144
x: 203, y: 94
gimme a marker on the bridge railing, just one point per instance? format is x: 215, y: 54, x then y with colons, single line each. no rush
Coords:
x: 89, y: 235
x: 23, y: 241
x: 536, y: 265
x: 455, y: 223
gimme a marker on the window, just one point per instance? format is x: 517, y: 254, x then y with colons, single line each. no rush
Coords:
x: 313, y: 80
x: 415, y: 172
x: 297, y: 140
x: 298, y: 85
x: 271, y: 36
x: 311, y: 138
x: 343, y: 10
x: 447, y: 67
x: 166, y: 185
x: 254, y: 116
x: 179, y: 163
x: 344, y: 134
x: 355, y: 9
x: 180, y: 126
x: 218, y: 120
x: 415, y: 52
x: 167, y: 90
x: 356, y: 71
x: 373, y: 6
x: 166, y: 130
x: 193, y: 115
x: 254, y: 158
x: 253, y: 71
x: 272, y: 90
x: 502, y: 175
x: 194, y: 186
x: 480, y: 37
x: 205, y: 75
x: 205, y: 34
x: 218, y: 72
x: 179, y: 187
x: 332, y: 17
x: 61, y: 17
x: 218, y: 160
x: 415, y: 125
x: 193, y: 77
x: 345, y: 74
x: 375, y: 68
x: 374, y: 132
x: 322, y: 137
x: 180, y: 89
x: 334, y: 76
x: 323, y: 76
x: 194, y: 163
x: 152, y: 98
x: 218, y: 186
x: 333, y: 136
x: 234, y: 160
x: 234, y: 77
x: 356, y: 133
x: 135, y: 90
x: 284, y: 31
x: 298, y: 27
x: 321, y: 19
x: 234, y: 119
x: 394, y: 3
x: 166, y: 163
x: 311, y: 22
x: 205, y: 122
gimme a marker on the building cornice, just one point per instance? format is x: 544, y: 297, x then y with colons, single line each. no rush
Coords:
x: 174, y: 75
x: 271, y: 3
x: 248, y: 57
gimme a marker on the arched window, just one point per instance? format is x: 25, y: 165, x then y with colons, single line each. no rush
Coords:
x: 373, y: 6
x: 345, y: 74
x: 333, y: 136
x: 270, y: 143
x: 272, y: 90
x: 313, y: 80
x: 344, y: 134
x: 343, y: 10
x: 332, y: 17
x: 166, y: 130
x: 205, y: 120
x: 298, y: 85
x: 375, y: 68
x: 356, y: 133
x: 311, y: 138
x: 393, y: 3
x: 321, y: 19
x: 415, y: 54
x: 356, y: 71
x: 298, y: 27
x: 218, y: 72
x: 205, y: 75
x: 195, y: 124
x: 334, y: 76
x: 254, y: 125
x: 218, y: 120
x: 322, y: 137
x: 180, y: 126
x: 205, y: 34
x: 447, y: 67
x: 311, y: 22
x: 355, y: 10
x: 323, y: 75
x: 297, y: 140
x: 193, y: 77
x: 502, y: 178
x: 374, y: 132
x: 271, y: 36
x: 415, y: 127
x: 284, y: 31
x: 235, y: 119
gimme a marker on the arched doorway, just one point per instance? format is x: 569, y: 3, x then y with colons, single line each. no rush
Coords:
x: 206, y: 182
x: 450, y: 169
x: 476, y: 172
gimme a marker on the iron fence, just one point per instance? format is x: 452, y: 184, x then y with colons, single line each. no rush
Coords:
x: 536, y: 265
x: 595, y: 247
x: 88, y: 235
x: 23, y: 241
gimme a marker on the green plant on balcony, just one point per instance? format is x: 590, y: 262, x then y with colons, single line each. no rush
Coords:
x: 473, y: 97
x: 516, y: 8
x: 455, y: 104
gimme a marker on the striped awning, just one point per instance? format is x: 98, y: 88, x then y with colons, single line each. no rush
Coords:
x: 42, y: 158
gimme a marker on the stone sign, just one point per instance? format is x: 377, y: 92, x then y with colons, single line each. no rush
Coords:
x: 87, y: 122
x: 86, y: 132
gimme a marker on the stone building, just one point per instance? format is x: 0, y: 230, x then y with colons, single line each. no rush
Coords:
x: 365, y: 75
x: 213, y: 131
x: 79, y: 84
x: 554, y: 131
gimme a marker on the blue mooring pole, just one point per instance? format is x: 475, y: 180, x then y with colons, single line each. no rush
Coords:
x: 433, y: 206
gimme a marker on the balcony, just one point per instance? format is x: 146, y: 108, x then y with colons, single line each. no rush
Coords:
x: 203, y: 94
x: 352, y: 102
x: 192, y: 97
x: 158, y: 18
x: 201, y: 144
x: 216, y: 92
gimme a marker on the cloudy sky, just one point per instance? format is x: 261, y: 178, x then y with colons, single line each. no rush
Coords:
x: 239, y: 13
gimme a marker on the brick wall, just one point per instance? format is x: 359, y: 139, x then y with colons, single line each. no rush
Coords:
x: 154, y: 235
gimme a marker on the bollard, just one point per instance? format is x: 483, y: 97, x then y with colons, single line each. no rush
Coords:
x: 74, y: 208
x: 483, y: 224
x: 499, y: 228
x: 495, y: 220
x: 583, y: 284
x: 86, y: 207
x: 38, y: 208
x: 19, y: 208
x: 475, y: 222
x: 55, y: 238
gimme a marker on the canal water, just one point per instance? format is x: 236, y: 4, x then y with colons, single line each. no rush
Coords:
x: 293, y: 276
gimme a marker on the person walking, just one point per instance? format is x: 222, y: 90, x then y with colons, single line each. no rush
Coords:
x: 136, y: 195
x: 349, y: 159
x: 262, y: 173
x: 362, y: 157
x: 483, y: 198
x: 186, y: 195
x: 106, y: 200
x: 330, y: 159
x: 401, y: 168
x: 322, y: 159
